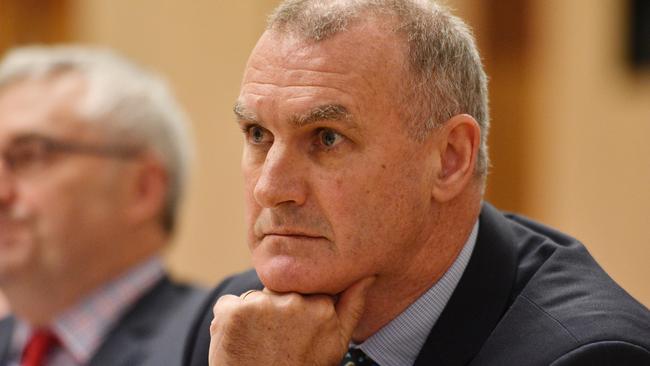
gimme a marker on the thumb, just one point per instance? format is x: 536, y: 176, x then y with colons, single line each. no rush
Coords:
x: 351, y: 304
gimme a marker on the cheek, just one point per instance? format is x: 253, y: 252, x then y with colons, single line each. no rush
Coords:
x: 353, y: 206
x: 65, y: 209
x: 374, y: 212
x: 45, y: 207
x: 251, y: 213
x: 47, y: 227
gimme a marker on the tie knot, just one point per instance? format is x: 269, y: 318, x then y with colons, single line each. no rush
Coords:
x: 356, y: 357
x: 38, y: 346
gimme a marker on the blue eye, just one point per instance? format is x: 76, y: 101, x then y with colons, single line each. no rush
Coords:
x: 257, y: 135
x: 329, y: 138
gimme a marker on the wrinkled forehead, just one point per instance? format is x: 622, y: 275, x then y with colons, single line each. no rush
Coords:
x: 45, y: 104
x: 363, y: 63
x: 371, y: 43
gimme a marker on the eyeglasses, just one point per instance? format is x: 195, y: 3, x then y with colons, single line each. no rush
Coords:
x: 28, y: 153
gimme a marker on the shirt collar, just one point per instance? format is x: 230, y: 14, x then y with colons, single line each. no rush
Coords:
x: 399, y: 342
x: 82, y: 328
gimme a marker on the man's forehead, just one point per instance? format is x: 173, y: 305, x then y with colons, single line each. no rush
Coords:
x: 49, y: 92
x: 44, y: 104
x: 369, y: 43
x: 289, y: 78
x: 284, y: 60
x: 300, y: 95
x: 54, y: 83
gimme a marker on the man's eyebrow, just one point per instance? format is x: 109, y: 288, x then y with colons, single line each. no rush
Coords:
x: 326, y: 112
x: 243, y: 114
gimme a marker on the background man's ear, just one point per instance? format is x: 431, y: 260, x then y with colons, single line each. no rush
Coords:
x: 459, y: 140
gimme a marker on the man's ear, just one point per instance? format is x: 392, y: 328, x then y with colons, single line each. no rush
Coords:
x: 458, y: 143
x: 148, y: 190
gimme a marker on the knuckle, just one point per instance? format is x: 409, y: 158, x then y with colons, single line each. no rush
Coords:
x: 289, y: 303
x: 294, y: 298
x: 214, y: 327
x: 224, y: 304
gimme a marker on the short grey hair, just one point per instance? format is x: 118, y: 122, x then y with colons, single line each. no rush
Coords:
x: 446, y: 69
x: 128, y: 102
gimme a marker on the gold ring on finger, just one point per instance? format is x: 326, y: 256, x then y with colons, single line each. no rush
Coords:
x: 243, y: 296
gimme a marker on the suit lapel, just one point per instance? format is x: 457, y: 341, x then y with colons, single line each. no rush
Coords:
x: 127, y: 343
x: 153, y: 332
x: 122, y: 346
x: 6, y: 334
x: 121, y: 350
x: 480, y: 299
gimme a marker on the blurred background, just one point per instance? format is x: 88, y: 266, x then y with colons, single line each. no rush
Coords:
x: 570, y: 99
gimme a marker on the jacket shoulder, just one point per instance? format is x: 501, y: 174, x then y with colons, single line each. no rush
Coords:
x: 568, y: 286
x: 563, y: 306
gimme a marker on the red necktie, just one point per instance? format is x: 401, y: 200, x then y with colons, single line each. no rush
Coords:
x: 41, y: 342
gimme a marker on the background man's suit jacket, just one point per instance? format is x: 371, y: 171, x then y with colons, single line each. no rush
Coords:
x: 152, y: 332
x: 529, y: 296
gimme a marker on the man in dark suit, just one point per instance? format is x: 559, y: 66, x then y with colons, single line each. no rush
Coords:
x: 364, y: 162
x: 93, y: 162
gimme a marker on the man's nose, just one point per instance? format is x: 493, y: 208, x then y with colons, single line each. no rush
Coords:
x: 282, y: 178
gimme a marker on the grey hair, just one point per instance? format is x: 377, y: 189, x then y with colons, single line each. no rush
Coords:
x: 447, y: 76
x: 128, y: 102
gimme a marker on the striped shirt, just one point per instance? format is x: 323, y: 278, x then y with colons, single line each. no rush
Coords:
x: 399, y: 342
x: 82, y: 328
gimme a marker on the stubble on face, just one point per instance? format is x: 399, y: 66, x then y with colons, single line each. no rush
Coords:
x: 373, y: 197
x: 291, y: 220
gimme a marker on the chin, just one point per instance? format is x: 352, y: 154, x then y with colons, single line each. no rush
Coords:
x: 290, y: 275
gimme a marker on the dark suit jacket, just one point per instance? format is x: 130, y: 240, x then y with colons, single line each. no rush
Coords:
x: 529, y: 296
x: 152, y: 332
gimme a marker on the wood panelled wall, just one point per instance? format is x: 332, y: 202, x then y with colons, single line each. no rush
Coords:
x: 33, y: 21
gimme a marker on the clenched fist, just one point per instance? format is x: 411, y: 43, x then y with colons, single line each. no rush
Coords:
x: 269, y: 328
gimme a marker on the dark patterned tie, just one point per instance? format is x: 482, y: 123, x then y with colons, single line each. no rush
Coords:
x: 356, y: 357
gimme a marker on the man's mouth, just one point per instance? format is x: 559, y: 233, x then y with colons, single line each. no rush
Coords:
x: 294, y: 235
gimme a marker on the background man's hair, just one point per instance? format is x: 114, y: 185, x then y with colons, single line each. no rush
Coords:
x: 447, y: 77
x: 127, y: 102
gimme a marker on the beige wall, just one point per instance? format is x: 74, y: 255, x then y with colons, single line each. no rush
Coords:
x: 590, y: 125
x: 587, y: 121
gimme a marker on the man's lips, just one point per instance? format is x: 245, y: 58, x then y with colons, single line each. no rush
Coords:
x: 292, y: 234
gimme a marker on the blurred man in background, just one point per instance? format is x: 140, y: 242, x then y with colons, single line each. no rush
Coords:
x: 94, y: 154
x: 365, y: 162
